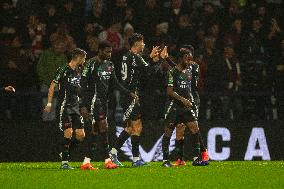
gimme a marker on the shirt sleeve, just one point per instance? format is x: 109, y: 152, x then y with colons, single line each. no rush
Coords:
x: 116, y: 83
x: 59, y: 74
x: 170, y: 79
x: 86, y: 72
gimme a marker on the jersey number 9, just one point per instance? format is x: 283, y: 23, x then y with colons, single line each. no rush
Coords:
x: 124, y: 71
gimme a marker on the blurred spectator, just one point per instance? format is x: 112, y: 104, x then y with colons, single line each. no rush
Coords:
x: 92, y: 46
x: 235, y: 35
x: 254, y: 45
x: 128, y: 30
x: 230, y: 80
x: 214, y: 32
x: 36, y: 30
x: 50, y: 60
x: 185, y: 32
x: 62, y: 34
x: 97, y: 17
x: 52, y: 20
x: 17, y: 70
x: 278, y: 76
x: 113, y: 36
x: 208, y: 56
x: 72, y: 16
x: 9, y: 21
x: 177, y: 8
x: 150, y: 16
x: 118, y: 9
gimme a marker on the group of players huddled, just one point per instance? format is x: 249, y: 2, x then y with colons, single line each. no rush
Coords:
x: 84, y: 93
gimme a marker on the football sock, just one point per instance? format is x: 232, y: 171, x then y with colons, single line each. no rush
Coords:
x: 202, y: 146
x: 104, y: 137
x: 121, y: 139
x: 165, y: 147
x: 179, y: 148
x: 92, y: 145
x: 135, y: 145
x: 65, y: 151
x: 195, y: 145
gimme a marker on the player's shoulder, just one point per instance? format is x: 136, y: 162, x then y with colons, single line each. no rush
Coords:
x: 127, y: 56
x: 62, y: 68
x: 173, y: 70
x: 195, y: 65
x: 91, y: 61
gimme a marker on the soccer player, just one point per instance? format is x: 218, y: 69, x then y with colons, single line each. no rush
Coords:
x: 132, y: 68
x: 181, y: 83
x: 68, y: 80
x: 97, y: 78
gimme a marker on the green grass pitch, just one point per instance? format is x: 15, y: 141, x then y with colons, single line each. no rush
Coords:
x: 227, y: 174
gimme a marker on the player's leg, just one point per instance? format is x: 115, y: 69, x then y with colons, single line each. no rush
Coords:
x: 67, y: 136
x: 166, y: 142
x: 129, y: 106
x: 103, y: 130
x: 194, y: 129
x: 179, y: 144
x: 78, y: 126
x: 92, y: 143
x: 203, y: 149
x: 136, y: 125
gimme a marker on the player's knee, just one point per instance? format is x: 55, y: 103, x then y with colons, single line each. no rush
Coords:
x: 94, y: 130
x: 136, y: 127
x: 68, y: 133
x: 179, y: 131
x: 193, y: 127
x: 103, y: 125
x: 80, y: 134
x: 169, y: 130
x: 128, y: 130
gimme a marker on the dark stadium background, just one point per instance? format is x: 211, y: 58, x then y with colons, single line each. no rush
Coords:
x: 241, y: 94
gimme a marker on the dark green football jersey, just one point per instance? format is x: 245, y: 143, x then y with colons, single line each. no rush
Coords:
x: 69, y: 84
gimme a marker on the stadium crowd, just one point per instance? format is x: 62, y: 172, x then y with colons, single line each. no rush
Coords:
x: 239, y: 46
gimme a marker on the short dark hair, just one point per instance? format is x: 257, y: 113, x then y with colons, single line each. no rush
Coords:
x: 186, y: 49
x: 134, y: 38
x: 103, y: 45
x: 77, y: 52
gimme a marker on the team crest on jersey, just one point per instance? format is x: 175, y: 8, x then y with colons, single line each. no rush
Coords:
x: 74, y: 80
x: 109, y: 69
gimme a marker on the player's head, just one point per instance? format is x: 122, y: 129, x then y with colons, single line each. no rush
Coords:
x: 104, y: 50
x: 186, y: 54
x: 137, y: 41
x: 78, y: 55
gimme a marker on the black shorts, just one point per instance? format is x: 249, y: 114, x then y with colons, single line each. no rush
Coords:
x: 170, y: 112
x: 185, y: 115
x: 131, y: 108
x: 69, y: 117
x: 99, y: 110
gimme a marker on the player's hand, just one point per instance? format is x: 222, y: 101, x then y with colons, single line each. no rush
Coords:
x: 9, y: 89
x: 135, y: 96
x: 155, y: 52
x: 186, y: 103
x: 84, y: 112
x: 164, y: 53
x: 47, y: 109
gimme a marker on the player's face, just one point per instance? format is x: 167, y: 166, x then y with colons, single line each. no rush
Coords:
x: 107, y: 53
x: 81, y: 60
x: 140, y: 45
